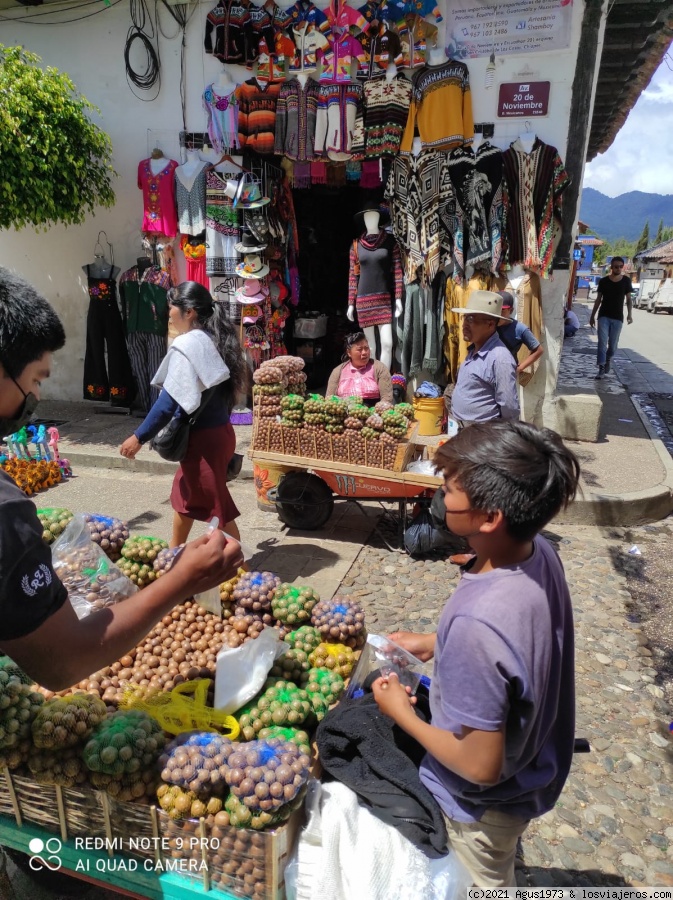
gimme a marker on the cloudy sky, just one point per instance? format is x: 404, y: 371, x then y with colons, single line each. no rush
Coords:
x: 639, y: 160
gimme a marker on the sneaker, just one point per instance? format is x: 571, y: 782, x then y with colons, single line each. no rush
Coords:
x: 607, y: 366
x: 601, y: 372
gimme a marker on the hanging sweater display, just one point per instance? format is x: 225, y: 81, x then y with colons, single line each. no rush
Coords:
x: 382, y: 117
x: 477, y: 225
x: 222, y: 227
x: 534, y: 184
x: 261, y: 29
x: 375, y: 280
x: 335, y: 121
x: 228, y: 31
x: 296, y: 113
x: 257, y: 115
x: 222, y: 112
x: 190, y: 195
x: 158, y: 198
x: 416, y: 35
x: 441, y: 107
x: 337, y: 59
x: 310, y: 32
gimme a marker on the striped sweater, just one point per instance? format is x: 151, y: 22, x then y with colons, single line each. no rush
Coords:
x: 296, y: 114
x: 382, y: 117
x: 257, y: 115
x: 335, y: 122
x: 441, y: 107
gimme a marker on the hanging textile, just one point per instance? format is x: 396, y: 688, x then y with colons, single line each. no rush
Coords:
x: 222, y: 112
x: 382, y: 117
x: 257, y: 115
x: 158, y: 198
x: 194, y: 250
x: 229, y: 31
x: 534, y: 185
x: 222, y: 227
x: 441, y: 107
x: 528, y: 309
x: 478, y: 221
x: 403, y: 195
x: 296, y: 113
x: 455, y: 345
x: 105, y: 337
x: 335, y: 121
x: 416, y: 35
x: 190, y: 196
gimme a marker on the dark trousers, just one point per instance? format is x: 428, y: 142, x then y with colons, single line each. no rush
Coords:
x: 146, y: 352
x: 105, y: 331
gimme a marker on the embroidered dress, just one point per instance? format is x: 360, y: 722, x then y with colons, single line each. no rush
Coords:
x: 158, y: 198
x: 222, y: 227
x: 335, y: 121
x: 229, y: 31
x: 190, y: 194
x: 534, y: 184
x: 195, y: 259
x: 477, y: 226
x: 441, y: 107
x: 222, y: 110
x: 296, y: 114
x: 375, y: 278
x: 257, y: 115
x: 382, y: 117
x: 105, y: 338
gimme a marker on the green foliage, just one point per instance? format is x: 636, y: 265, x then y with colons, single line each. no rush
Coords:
x: 620, y: 247
x: 56, y: 163
x: 660, y: 231
x: 644, y: 239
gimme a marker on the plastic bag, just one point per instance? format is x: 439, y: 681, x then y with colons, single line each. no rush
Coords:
x: 383, y: 656
x: 92, y: 580
x: 422, y: 467
x: 422, y: 536
x: 182, y: 709
x: 240, y: 672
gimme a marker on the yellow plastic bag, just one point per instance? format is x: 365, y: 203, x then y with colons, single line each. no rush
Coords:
x: 182, y: 709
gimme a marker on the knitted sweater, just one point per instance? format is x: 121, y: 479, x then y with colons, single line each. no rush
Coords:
x: 335, y: 121
x: 382, y: 117
x: 257, y: 115
x: 296, y: 113
x: 229, y: 31
x: 441, y: 107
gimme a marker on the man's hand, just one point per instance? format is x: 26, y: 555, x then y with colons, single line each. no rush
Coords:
x: 422, y: 646
x: 208, y: 561
x: 592, y: 321
x: 629, y: 320
x: 130, y: 447
x: 394, y: 699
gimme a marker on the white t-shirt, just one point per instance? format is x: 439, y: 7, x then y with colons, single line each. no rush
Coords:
x: 571, y: 319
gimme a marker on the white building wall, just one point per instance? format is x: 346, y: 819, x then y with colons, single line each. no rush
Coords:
x: 91, y: 51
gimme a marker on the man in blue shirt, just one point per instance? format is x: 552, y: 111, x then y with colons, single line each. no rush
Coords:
x: 486, y: 386
x: 514, y: 334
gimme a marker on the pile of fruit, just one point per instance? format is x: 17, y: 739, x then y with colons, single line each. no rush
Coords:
x: 138, y: 555
x: 292, y: 410
x: 53, y: 522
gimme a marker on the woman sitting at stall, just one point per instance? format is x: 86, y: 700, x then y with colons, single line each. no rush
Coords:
x: 360, y: 375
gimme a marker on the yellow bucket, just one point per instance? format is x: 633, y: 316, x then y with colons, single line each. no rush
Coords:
x: 429, y: 413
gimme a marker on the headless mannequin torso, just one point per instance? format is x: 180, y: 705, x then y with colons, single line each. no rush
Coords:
x: 391, y: 72
x: 100, y: 268
x: 372, y: 219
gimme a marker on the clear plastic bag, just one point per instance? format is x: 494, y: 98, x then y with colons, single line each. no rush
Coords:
x: 382, y: 656
x: 240, y: 672
x: 92, y: 580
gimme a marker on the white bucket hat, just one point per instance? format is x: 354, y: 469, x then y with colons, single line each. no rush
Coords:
x: 482, y: 303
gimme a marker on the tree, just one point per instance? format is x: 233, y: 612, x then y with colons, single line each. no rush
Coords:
x: 660, y: 233
x: 644, y: 239
x: 56, y: 163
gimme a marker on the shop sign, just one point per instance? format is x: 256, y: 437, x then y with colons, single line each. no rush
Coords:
x: 477, y: 28
x: 523, y: 99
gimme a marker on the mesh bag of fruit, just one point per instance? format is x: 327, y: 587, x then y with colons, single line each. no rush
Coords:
x: 93, y: 581
x: 125, y: 743
x: 185, y: 708
x: 337, y: 657
x: 63, y: 767
x: 67, y: 721
x: 109, y: 533
x: 294, y: 735
x: 292, y: 604
x: 54, y: 521
x: 182, y: 804
x: 305, y: 638
x: 265, y: 775
x: 138, y: 556
x: 241, y: 816
x: 323, y: 681
x: 18, y: 707
x: 197, y: 762
x: 279, y: 703
x: 339, y: 619
x: 255, y: 590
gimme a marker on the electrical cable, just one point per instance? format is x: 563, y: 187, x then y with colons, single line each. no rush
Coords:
x: 182, y: 14
x: 150, y: 77
x: 28, y: 20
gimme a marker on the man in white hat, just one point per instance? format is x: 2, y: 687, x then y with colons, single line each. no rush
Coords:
x: 486, y: 387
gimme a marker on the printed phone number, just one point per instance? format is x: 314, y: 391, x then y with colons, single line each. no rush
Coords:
x: 644, y: 893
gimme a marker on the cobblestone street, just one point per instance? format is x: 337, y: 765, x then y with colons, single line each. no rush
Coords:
x: 614, y: 822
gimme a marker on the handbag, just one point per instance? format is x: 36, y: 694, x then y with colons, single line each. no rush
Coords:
x: 171, y: 442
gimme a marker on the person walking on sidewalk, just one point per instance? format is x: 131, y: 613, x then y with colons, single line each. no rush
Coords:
x: 205, y: 354
x: 486, y: 386
x: 502, y: 698
x: 39, y: 629
x: 613, y: 289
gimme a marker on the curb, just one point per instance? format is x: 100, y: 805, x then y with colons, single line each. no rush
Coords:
x: 631, y: 508
x: 91, y: 460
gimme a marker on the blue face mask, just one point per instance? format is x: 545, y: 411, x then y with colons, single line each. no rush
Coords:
x: 23, y: 414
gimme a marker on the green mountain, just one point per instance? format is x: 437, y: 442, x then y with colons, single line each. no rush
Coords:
x: 625, y: 216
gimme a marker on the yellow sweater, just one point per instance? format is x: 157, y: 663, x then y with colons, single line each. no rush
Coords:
x: 441, y: 107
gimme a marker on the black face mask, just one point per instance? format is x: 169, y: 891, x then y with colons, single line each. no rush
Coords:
x: 22, y: 416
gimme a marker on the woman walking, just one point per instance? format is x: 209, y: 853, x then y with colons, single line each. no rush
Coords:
x: 205, y: 354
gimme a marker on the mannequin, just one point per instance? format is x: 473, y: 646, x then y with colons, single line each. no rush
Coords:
x: 302, y: 78
x: 223, y: 85
x: 375, y: 257
x: 437, y: 56
x: 100, y: 268
x: 391, y: 71
x: 477, y: 141
x: 527, y: 139
x: 516, y: 276
x: 190, y: 167
x: 158, y: 161
x: 416, y: 146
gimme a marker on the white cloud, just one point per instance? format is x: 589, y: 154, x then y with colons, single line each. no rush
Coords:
x: 641, y: 156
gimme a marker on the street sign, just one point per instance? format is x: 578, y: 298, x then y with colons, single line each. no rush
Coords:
x: 577, y: 254
x: 523, y: 99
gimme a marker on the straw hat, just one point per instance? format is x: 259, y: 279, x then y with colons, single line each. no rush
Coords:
x: 252, y: 267
x: 482, y: 303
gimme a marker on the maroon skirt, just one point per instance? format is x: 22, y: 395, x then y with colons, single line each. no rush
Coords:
x: 200, y: 486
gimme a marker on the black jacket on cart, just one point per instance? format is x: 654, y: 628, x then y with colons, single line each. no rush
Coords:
x: 365, y: 750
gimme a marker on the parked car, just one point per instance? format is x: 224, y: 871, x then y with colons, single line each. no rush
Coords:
x: 635, y: 295
x: 662, y: 299
x: 593, y: 291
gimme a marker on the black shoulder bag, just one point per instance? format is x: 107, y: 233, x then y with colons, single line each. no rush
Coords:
x: 171, y: 442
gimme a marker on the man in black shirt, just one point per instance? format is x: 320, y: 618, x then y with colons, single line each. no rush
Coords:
x: 612, y: 290
x: 38, y: 628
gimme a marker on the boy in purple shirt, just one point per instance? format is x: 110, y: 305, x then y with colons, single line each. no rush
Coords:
x: 503, y: 690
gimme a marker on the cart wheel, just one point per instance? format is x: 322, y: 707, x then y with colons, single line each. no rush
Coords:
x: 304, y: 501
x: 64, y: 886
